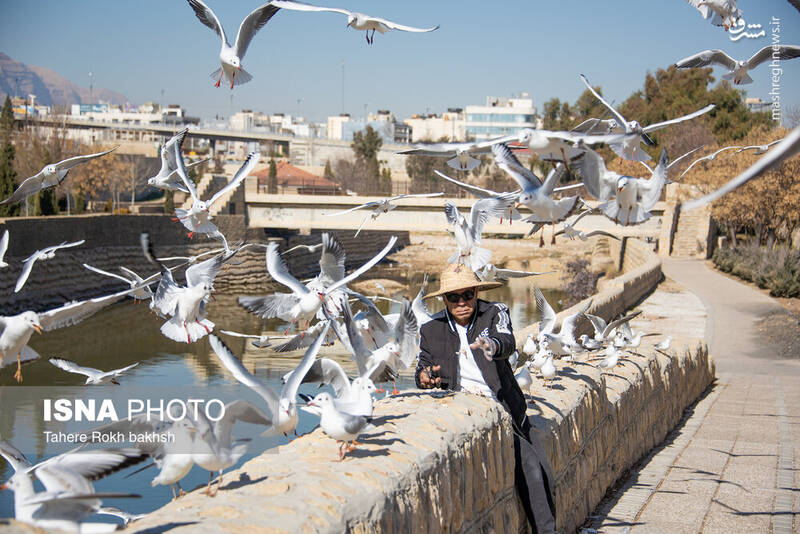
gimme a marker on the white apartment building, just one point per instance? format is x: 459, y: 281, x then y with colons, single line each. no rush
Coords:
x: 147, y: 113
x: 335, y: 125
x: 451, y: 125
x: 500, y: 116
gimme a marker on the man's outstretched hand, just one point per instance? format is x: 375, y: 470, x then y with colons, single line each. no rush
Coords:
x: 486, y: 344
x: 428, y: 378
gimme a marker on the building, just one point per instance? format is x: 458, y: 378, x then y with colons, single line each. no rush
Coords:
x: 500, y: 116
x: 23, y: 108
x: 342, y: 127
x: 335, y: 125
x: 756, y: 105
x: 293, y: 180
x: 147, y: 113
x: 450, y: 125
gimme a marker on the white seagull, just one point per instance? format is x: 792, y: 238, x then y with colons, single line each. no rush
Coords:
x: 738, y: 69
x: 629, y: 147
x: 461, y: 154
x: 230, y: 57
x: 788, y: 147
x: 467, y: 233
x: 569, y: 229
x: 259, y: 341
x: 664, y: 344
x: 708, y: 157
x: 198, y: 217
x: 511, y: 214
x: 634, y: 198
x: 357, y: 21
x: 379, y: 207
x: 342, y: 427
x: 282, y: 409
x: 491, y: 273
x: 50, y: 176
x: 304, y: 302
x: 536, y: 195
x: 68, y: 497
x: 725, y: 12
x: 610, y: 360
x: 167, y: 177
x: 94, y: 377
x: 603, y: 331
x: 757, y: 150
x: 564, y: 342
x: 16, y: 330
x: 47, y: 253
x: 142, y: 292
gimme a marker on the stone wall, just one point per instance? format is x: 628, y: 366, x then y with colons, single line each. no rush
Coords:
x: 443, y: 462
x: 114, y: 240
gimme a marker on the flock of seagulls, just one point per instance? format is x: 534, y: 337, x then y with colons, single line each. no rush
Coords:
x: 381, y: 346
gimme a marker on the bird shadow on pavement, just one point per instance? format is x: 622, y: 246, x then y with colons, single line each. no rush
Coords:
x: 383, y: 419
x: 734, y: 455
x: 745, y: 514
x: 575, y: 375
x: 365, y: 453
x: 435, y: 393
x: 244, y: 480
x: 166, y: 528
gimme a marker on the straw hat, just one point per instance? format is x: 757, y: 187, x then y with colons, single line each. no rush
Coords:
x: 456, y: 277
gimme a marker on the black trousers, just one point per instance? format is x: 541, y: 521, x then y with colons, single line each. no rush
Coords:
x: 534, y: 479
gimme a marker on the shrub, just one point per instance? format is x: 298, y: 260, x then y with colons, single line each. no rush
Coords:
x: 579, y: 281
x: 777, y: 270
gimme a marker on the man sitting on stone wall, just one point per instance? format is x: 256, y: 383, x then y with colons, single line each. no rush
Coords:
x: 465, y: 348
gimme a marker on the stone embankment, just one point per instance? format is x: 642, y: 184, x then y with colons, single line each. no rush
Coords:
x: 443, y: 462
x: 113, y: 241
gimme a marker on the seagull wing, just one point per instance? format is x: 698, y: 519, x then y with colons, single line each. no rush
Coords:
x: 600, y: 232
x: 610, y: 327
x: 706, y: 58
x: 168, y: 164
x: 507, y: 161
x: 14, y: 457
x: 205, y: 271
x: 783, y: 150
x: 548, y: 317
x: 181, y: 169
x: 451, y: 212
x: 364, y: 268
x: 76, y: 311
x: 772, y: 52
x: 167, y: 293
x: 405, y: 334
x: 207, y: 17
x: 357, y: 344
x: 331, y: 261
x: 303, y: 6
x: 246, y: 168
x: 598, y: 323
x: 599, y: 182
x: 372, y: 204
x: 396, y: 26
x: 617, y: 116
x: 242, y: 375
x: 3, y: 246
x: 28, y: 187
x: 659, y: 125
x: 269, y: 306
x: 474, y: 189
x: 510, y: 273
x: 106, y: 273
x: 280, y: 272
x: 117, y: 372
x: 676, y: 160
x: 650, y: 190
x: 567, y: 332
x: 552, y: 179
x: 67, y: 164
x: 289, y: 390
x: 72, y: 367
x: 26, y: 270
x: 478, y: 216
x: 251, y: 24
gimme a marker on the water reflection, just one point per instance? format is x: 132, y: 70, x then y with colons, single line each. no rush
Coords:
x: 127, y: 333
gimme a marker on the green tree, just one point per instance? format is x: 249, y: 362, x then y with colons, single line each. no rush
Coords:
x: 8, y: 176
x: 272, y: 186
x: 328, y: 172
x: 365, y: 146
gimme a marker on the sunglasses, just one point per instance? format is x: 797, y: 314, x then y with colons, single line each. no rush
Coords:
x: 467, y: 295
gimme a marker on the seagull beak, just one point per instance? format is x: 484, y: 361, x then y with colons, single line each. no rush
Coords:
x: 239, y: 67
x: 3, y: 487
x: 114, y: 381
x: 37, y: 328
x: 310, y: 403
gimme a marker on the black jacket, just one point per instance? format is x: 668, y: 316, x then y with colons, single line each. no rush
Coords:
x: 439, y: 345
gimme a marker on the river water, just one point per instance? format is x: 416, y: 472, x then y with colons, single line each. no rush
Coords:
x: 127, y: 333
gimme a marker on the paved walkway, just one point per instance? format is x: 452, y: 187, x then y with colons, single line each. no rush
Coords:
x: 734, y: 464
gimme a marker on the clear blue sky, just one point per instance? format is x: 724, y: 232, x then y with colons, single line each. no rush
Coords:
x: 482, y: 48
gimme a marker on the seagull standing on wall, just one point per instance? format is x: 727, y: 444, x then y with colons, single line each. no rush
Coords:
x: 230, y: 57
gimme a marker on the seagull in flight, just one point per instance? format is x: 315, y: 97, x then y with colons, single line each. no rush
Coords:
x: 461, y: 154
x: 629, y: 147
x: 726, y: 12
x: 571, y: 233
x: 198, y: 217
x: 357, y: 21
x: 757, y: 150
x: 47, y: 253
x: 167, y: 177
x: 738, y: 69
x: 788, y: 147
x: 230, y: 57
x: 3, y: 249
x: 259, y: 341
x: 708, y: 157
x: 50, y: 176
x: 380, y: 207
x: 467, y: 232
x: 94, y: 377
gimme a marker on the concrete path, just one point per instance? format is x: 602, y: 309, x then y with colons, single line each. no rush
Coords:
x: 734, y: 464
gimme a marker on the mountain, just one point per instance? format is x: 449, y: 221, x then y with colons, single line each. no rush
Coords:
x: 18, y: 79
